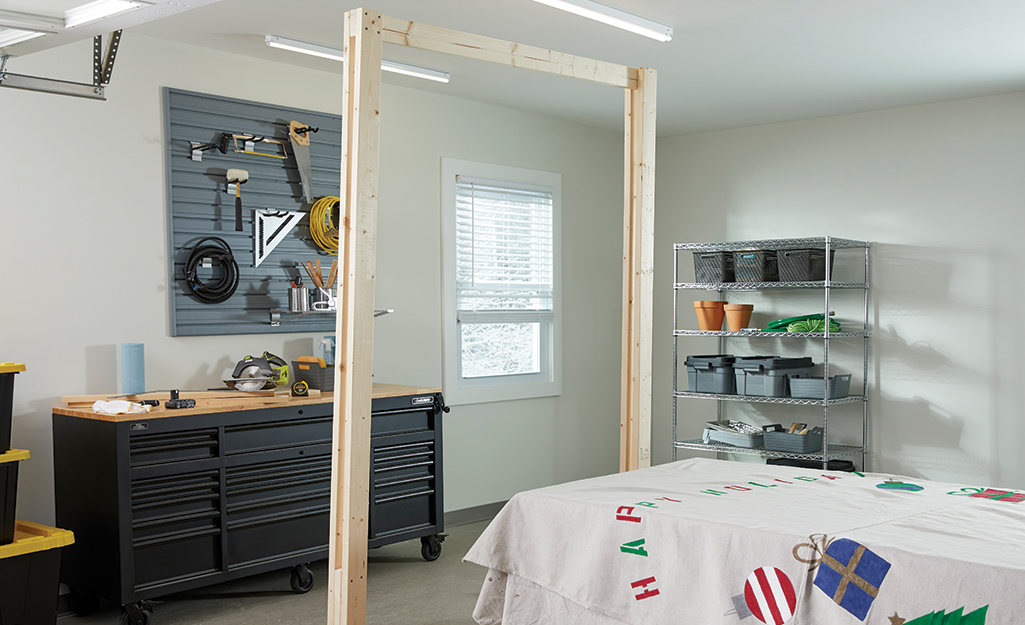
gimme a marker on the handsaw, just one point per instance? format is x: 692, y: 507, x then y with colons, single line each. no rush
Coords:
x: 299, y: 134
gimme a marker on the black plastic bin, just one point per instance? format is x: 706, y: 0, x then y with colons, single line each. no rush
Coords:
x: 713, y: 267
x: 803, y: 265
x: 9, y: 494
x: 313, y: 374
x: 711, y: 374
x: 7, y: 372
x: 755, y: 266
x: 834, y: 465
x: 30, y: 574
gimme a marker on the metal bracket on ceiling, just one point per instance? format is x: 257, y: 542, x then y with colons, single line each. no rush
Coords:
x: 102, y: 68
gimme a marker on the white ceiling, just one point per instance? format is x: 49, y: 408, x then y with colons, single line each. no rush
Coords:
x: 731, y: 62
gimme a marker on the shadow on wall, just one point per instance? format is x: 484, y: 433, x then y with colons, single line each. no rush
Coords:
x: 932, y: 412
x: 923, y: 440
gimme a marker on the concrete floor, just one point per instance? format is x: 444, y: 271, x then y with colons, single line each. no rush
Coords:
x: 402, y: 589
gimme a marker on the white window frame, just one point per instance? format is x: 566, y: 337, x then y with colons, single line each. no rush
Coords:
x: 459, y: 390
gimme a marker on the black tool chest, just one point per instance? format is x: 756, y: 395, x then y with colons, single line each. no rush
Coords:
x: 164, y: 505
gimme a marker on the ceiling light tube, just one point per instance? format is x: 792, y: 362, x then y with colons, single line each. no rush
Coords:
x: 11, y: 36
x: 614, y: 17
x: 413, y: 70
x: 30, y: 21
x: 294, y: 45
x: 334, y: 54
x: 101, y: 9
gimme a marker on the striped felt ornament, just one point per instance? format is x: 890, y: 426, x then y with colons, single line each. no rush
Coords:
x: 770, y: 595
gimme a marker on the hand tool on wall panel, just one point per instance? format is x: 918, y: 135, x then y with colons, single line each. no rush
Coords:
x: 270, y: 228
x: 331, y: 276
x: 239, y: 177
x: 299, y: 135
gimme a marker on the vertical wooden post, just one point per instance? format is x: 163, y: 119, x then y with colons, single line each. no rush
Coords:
x: 638, y: 273
x: 350, y: 463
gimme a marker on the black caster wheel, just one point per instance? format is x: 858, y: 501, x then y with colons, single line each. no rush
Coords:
x: 430, y: 546
x: 83, y: 602
x: 302, y: 579
x: 135, y: 614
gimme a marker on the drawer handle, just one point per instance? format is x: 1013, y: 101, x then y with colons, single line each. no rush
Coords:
x: 147, y: 504
x: 174, y: 537
x: 385, y: 483
x: 277, y: 518
x: 404, y: 446
x: 174, y: 518
x: 394, y: 467
x: 415, y: 493
x: 392, y: 457
x: 310, y: 495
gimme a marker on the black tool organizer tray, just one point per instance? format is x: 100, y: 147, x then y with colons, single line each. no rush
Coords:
x: 199, y: 205
x: 177, y: 503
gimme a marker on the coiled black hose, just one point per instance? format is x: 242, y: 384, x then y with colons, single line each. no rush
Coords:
x: 214, y: 291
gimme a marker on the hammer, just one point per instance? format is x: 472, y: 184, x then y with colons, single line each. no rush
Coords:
x: 239, y: 177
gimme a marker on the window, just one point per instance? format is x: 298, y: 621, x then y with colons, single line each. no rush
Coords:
x: 501, y: 282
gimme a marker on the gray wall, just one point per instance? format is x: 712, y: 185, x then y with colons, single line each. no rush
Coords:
x: 83, y: 199
x: 939, y: 189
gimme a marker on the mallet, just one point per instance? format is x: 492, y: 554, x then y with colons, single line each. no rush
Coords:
x: 239, y: 177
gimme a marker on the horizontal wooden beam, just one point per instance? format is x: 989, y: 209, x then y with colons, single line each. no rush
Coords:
x: 417, y: 35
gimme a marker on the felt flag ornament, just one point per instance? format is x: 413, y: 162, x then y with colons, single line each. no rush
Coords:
x: 851, y: 575
x: 770, y: 595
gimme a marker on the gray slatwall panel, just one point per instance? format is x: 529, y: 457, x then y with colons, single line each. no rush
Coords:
x: 199, y: 206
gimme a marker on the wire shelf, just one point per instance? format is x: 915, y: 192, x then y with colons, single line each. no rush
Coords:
x: 774, y: 244
x: 762, y: 286
x: 793, y: 401
x: 767, y: 335
x: 835, y: 451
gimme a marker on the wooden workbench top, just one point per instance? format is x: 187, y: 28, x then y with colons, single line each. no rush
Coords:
x: 81, y: 406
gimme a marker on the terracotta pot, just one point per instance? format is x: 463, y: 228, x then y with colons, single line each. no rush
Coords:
x: 710, y: 314
x: 738, y: 316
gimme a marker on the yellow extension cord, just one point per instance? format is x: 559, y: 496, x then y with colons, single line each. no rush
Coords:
x: 322, y: 228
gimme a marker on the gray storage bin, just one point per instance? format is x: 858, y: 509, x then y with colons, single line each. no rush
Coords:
x: 736, y: 433
x: 755, y: 266
x: 803, y: 265
x: 713, y: 267
x: 777, y: 439
x: 768, y: 377
x: 811, y: 387
x: 711, y: 374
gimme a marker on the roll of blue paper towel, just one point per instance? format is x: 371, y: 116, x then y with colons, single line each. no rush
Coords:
x: 133, y: 369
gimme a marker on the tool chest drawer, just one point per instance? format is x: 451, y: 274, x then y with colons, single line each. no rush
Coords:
x: 250, y: 438
x: 158, y: 448
x: 181, y: 502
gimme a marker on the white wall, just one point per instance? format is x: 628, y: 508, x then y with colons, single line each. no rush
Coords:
x: 940, y: 191
x: 84, y: 249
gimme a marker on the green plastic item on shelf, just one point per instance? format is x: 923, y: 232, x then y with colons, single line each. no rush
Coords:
x: 813, y: 325
x: 780, y: 325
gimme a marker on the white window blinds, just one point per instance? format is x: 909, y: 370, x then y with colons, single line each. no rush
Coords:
x: 504, y: 252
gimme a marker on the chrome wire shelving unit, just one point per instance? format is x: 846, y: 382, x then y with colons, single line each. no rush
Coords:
x: 827, y: 286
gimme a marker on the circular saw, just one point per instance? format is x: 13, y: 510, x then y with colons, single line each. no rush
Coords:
x: 258, y: 373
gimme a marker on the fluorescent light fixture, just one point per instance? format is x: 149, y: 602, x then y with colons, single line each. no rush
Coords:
x: 335, y: 54
x: 11, y: 36
x: 614, y: 17
x: 414, y: 70
x: 305, y: 48
x: 101, y: 9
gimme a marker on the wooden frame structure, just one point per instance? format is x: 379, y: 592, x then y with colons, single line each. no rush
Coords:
x: 365, y: 32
